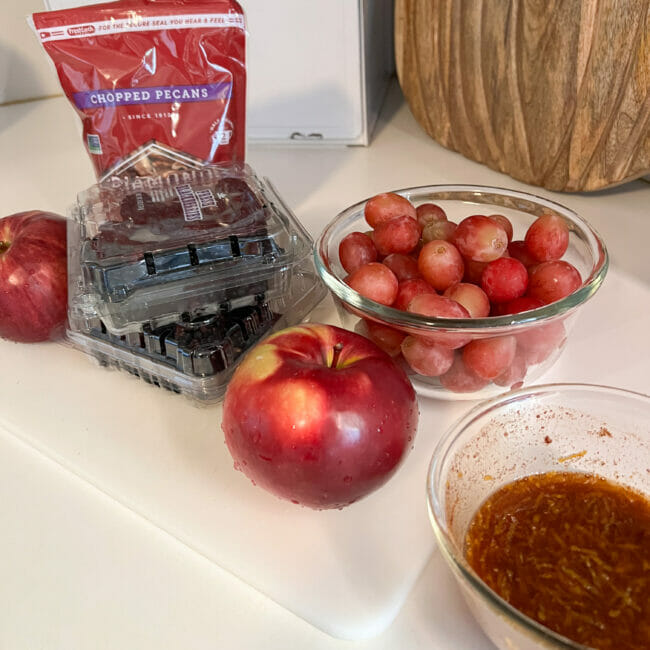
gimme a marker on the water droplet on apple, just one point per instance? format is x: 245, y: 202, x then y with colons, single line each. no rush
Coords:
x: 296, y: 502
x: 237, y: 466
x: 256, y: 438
x: 253, y: 482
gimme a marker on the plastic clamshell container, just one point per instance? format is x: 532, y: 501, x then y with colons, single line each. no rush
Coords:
x: 152, y: 248
x: 173, y: 278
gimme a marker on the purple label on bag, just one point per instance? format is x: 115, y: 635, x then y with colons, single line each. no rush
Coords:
x: 153, y: 95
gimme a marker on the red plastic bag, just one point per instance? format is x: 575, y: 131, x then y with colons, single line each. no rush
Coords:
x: 157, y: 83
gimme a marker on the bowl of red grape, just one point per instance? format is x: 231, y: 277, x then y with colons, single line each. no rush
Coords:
x: 473, y: 289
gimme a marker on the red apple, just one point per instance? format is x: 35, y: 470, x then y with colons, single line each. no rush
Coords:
x: 33, y: 276
x: 319, y: 415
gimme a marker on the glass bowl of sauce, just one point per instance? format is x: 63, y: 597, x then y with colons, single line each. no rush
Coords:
x: 540, y: 503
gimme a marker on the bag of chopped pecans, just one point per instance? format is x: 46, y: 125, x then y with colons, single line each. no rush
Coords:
x: 158, y: 84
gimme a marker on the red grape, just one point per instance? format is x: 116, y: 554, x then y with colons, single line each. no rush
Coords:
x: 505, y: 223
x: 440, y: 264
x: 403, y: 266
x: 374, y: 281
x: 519, y: 251
x: 387, y: 338
x: 537, y: 354
x: 516, y: 306
x: 430, y: 304
x: 440, y: 307
x: 488, y: 358
x: 547, y: 238
x: 416, y: 251
x: 538, y: 342
x: 429, y: 213
x: 355, y: 250
x: 554, y: 280
x: 408, y: 289
x: 480, y: 238
x: 513, y: 376
x: 473, y: 271
x: 504, y: 279
x: 461, y: 379
x: 425, y: 358
x: 387, y: 206
x: 398, y: 235
x: 473, y: 298
x: 439, y: 230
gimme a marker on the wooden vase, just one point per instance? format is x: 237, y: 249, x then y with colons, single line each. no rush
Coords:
x: 554, y: 93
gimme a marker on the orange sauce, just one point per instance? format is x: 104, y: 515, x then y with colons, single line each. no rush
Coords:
x: 571, y: 551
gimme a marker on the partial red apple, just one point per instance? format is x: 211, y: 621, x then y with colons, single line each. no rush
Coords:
x: 33, y: 276
x: 319, y: 415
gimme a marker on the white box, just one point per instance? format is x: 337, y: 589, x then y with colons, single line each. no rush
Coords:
x: 318, y: 70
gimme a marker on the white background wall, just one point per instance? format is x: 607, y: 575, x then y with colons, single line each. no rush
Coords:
x: 25, y: 72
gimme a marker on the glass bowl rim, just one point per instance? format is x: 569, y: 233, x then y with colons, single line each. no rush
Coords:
x: 436, y: 516
x: 479, y: 325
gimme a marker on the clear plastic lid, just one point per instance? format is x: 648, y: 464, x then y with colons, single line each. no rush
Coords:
x: 154, y: 248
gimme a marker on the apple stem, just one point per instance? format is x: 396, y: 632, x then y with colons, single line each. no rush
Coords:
x: 337, y: 353
x: 4, y: 246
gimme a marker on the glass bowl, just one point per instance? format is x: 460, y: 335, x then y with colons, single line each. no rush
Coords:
x: 541, y: 333
x: 555, y: 427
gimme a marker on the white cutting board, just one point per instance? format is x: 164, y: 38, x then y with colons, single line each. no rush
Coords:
x: 347, y: 572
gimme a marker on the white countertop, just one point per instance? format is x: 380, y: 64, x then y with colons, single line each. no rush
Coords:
x: 81, y: 571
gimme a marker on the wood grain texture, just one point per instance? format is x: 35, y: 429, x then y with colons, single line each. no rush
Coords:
x: 555, y: 93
